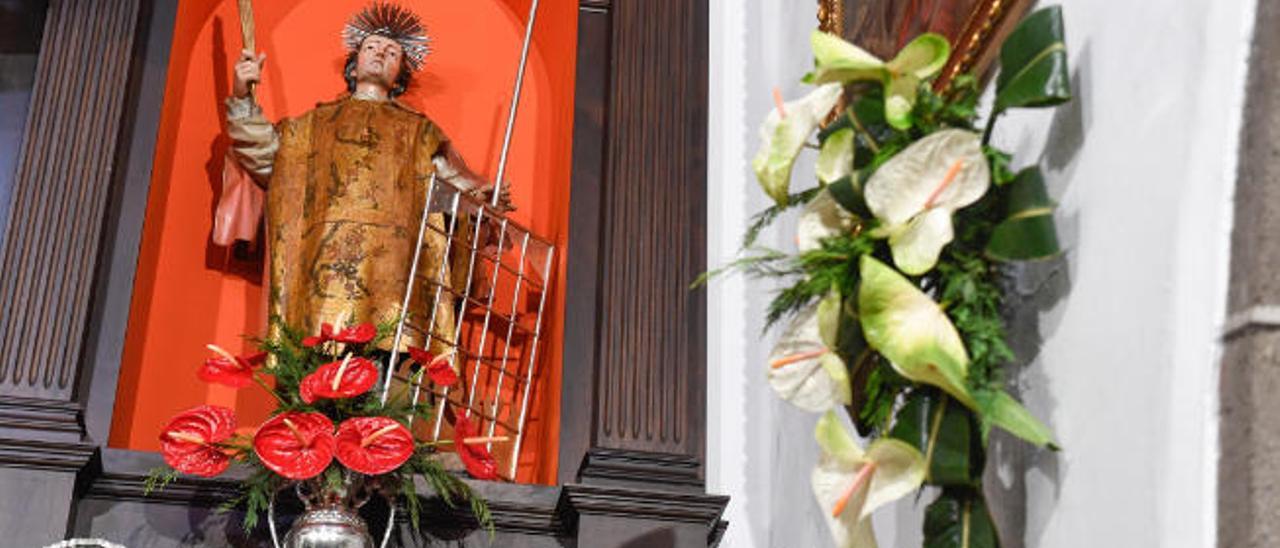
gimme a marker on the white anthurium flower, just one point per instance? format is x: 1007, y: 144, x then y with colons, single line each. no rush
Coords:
x: 783, y: 135
x: 835, y: 160
x: 910, y: 330
x: 802, y: 368
x: 823, y: 217
x: 839, y: 61
x: 921, y: 58
x: 850, y: 483
x: 915, y: 193
x: 836, y: 60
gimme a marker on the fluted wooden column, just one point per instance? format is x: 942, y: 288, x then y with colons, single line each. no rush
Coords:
x: 640, y: 338
x: 61, y: 190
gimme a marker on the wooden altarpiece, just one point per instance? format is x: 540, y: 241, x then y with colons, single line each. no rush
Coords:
x: 632, y: 428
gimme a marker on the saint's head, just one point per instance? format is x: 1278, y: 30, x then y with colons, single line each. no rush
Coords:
x: 385, y: 43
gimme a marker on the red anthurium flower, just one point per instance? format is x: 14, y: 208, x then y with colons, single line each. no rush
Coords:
x: 356, y: 334
x: 295, y: 445
x: 373, y: 445
x: 326, y: 335
x: 471, y: 449
x: 188, y: 441
x: 439, y: 368
x: 229, y: 370
x: 341, y: 379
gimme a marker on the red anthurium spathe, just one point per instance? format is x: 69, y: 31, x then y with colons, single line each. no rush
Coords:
x: 326, y: 335
x: 439, y: 368
x: 355, y: 334
x: 373, y: 445
x: 341, y: 379
x: 471, y: 449
x: 229, y: 370
x: 189, y: 441
x: 295, y: 445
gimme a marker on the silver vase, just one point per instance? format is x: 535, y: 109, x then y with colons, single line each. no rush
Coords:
x: 329, y: 527
x: 331, y: 519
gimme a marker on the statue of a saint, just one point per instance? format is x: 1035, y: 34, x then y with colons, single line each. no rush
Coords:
x: 345, y: 187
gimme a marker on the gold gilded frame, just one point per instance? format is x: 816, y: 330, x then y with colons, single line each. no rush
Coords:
x: 974, y: 27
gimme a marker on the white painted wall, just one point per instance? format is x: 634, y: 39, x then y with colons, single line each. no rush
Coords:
x: 1143, y: 164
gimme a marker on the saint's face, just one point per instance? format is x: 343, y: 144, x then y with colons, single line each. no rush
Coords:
x: 379, y: 61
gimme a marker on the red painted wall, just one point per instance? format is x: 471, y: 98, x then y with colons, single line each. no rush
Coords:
x: 189, y: 292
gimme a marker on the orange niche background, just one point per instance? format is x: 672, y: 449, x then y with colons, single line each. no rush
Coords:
x: 189, y: 292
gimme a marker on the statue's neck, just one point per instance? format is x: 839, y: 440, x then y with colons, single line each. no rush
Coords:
x: 369, y: 91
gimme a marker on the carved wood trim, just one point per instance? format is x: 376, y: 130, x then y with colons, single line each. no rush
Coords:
x: 629, y: 467
x: 61, y: 187
x: 646, y: 504
x: 44, y: 455
x: 42, y: 417
x: 975, y: 50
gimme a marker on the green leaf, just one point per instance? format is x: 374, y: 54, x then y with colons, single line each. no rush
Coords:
x: 1028, y: 233
x: 1033, y: 63
x: 959, y: 518
x: 848, y: 193
x: 943, y: 431
x: 1004, y: 411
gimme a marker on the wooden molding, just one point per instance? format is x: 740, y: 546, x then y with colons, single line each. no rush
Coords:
x: 700, y: 509
x: 658, y: 470
x: 45, y: 454
x: 40, y: 418
x: 61, y: 187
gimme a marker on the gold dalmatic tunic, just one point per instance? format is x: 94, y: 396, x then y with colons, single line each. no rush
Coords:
x: 344, y: 199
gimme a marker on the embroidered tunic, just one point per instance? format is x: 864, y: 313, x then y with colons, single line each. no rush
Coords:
x: 345, y: 189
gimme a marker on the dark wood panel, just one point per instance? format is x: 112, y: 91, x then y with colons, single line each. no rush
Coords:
x: 591, y: 91
x: 651, y: 340
x: 634, y: 370
x: 60, y: 193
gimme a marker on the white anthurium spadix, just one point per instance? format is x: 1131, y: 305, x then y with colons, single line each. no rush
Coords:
x: 915, y: 193
x: 851, y: 483
x: 823, y: 217
x: 802, y: 367
x: 837, y: 60
x: 784, y: 134
x: 910, y: 330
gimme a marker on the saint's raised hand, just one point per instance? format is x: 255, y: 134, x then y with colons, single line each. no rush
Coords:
x: 247, y: 73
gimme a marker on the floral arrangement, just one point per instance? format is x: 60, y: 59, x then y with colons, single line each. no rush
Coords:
x: 321, y: 381
x: 895, y: 294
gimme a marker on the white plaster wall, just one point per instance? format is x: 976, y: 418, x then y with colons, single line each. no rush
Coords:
x: 1142, y: 164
